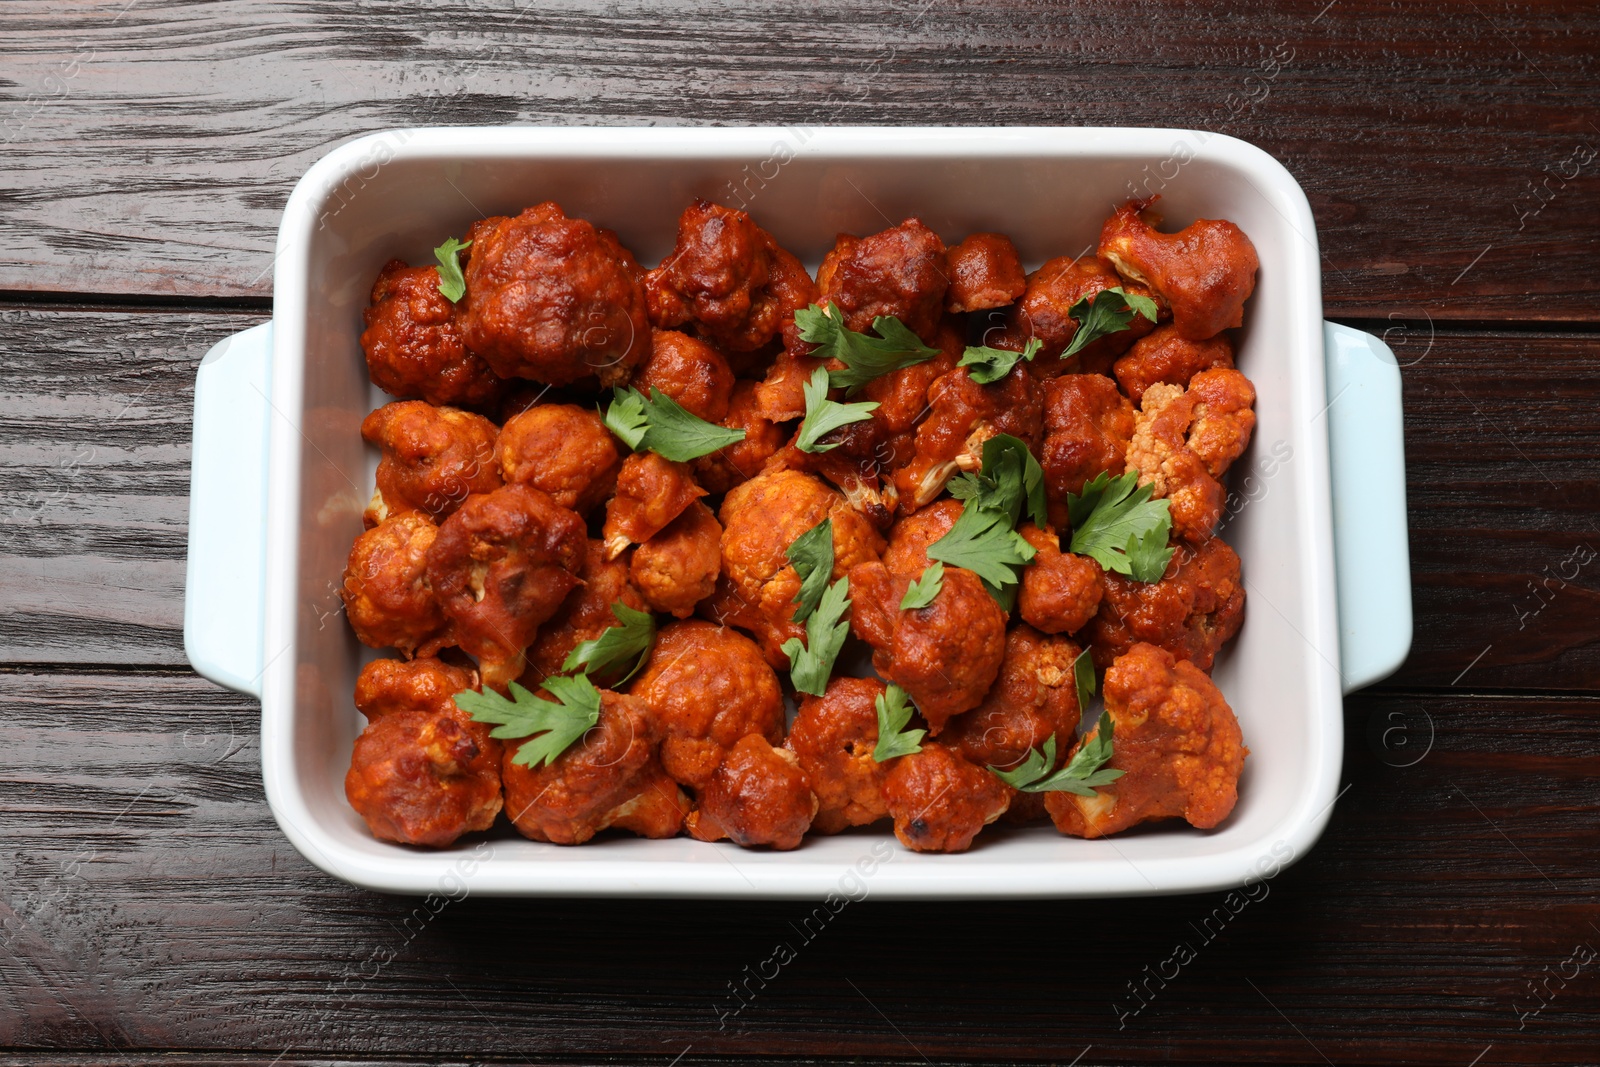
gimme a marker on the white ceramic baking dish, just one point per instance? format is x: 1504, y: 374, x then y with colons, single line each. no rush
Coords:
x: 280, y: 474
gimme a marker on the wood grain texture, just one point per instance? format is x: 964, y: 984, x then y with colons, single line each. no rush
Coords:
x: 1502, y: 451
x: 150, y: 902
x: 1449, y: 152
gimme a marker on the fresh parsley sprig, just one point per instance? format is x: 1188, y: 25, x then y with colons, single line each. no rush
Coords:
x: 1115, y: 522
x: 812, y: 557
x: 989, y: 365
x: 922, y: 591
x: 1083, y: 679
x: 452, y: 284
x: 661, y: 425
x: 894, y: 712
x: 811, y: 662
x: 984, y: 538
x: 1010, y: 480
x: 823, y: 416
x: 617, y: 644
x: 558, y: 725
x: 1106, y: 312
x: 1082, y: 773
x: 864, y: 357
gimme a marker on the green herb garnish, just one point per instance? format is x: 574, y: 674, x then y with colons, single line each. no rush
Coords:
x: 812, y: 557
x: 617, y: 644
x: 823, y: 416
x: 894, y: 711
x: 1081, y: 774
x: 922, y: 591
x: 864, y: 357
x: 1115, y: 522
x: 661, y: 425
x: 452, y: 284
x: 1083, y: 679
x: 811, y: 663
x: 989, y: 365
x: 1106, y: 312
x: 558, y: 725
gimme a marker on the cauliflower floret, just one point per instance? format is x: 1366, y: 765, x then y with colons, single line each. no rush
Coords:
x: 1205, y: 272
x: 1185, y: 440
x: 758, y: 795
x: 433, y: 459
x: 939, y: 801
x: 834, y: 736
x: 1061, y: 591
x: 1196, y: 607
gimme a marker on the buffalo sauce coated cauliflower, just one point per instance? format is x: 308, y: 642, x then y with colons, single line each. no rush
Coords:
x: 1166, y: 356
x: 500, y: 566
x: 962, y: 415
x: 1043, y: 314
x: 900, y: 271
x: 690, y: 372
x: 433, y: 459
x: 758, y: 795
x: 1196, y: 607
x: 1185, y: 440
x: 676, y: 567
x: 939, y: 800
x: 945, y: 655
x: 707, y: 687
x: 422, y: 772
x: 1087, y: 427
x: 985, y: 272
x: 584, y: 615
x: 1061, y: 591
x: 553, y: 299
x: 608, y: 778
x: 387, y: 596
x: 413, y: 342
x: 833, y: 736
x: 651, y: 492
x: 737, y: 463
x: 1205, y: 272
x: 563, y: 450
x: 1175, y: 739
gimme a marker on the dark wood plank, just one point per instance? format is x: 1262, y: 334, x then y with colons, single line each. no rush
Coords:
x: 95, y: 420
x: 1450, y: 155
x: 149, y: 902
x: 1503, y: 452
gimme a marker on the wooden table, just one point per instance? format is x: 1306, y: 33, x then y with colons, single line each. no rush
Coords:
x: 150, y: 911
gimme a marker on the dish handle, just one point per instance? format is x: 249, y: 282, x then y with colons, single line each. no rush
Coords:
x: 225, y: 585
x: 1366, y: 445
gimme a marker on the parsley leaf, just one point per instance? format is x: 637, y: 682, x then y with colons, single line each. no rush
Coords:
x: 1108, y: 311
x: 1081, y: 774
x: 617, y: 644
x: 1115, y: 522
x: 989, y: 365
x: 864, y: 357
x: 983, y: 542
x: 924, y: 589
x: 894, y: 711
x: 1009, y: 479
x: 823, y: 416
x: 661, y: 425
x: 1083, y: 679
x: 558, y: 725
x: 812, y: 556
x: 811, y: 663
x: 452, y: 285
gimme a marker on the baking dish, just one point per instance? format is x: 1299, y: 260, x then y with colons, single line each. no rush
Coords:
x: 280, y: 475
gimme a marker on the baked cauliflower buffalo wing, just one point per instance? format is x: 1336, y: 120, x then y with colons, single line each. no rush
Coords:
x: 707, y: 687
x: 906, y: 554
x: 1034, y: 697
x: 553, y: 299
x: 939, y: 801
x: 583, y: 616
x: 1175, y: 739
x: 651, y: 492
x: 690, y: 372
x: 1061, y: 591
x: 758, y: 795
x: 962, y: 415
x: 1087, y: 427
x: 833, y: 736
x: 609, y: 778
x: 1044, y: 313
x: 945, y: 655
x: 985, y: 272
x: 433, y: 459
x: 1194, y: 610
x: 728, y: 279
x: 1204, y: 272
x: 413, y: 343
x: 677, y: 567
x: 1184, y: 440
x: 727, y: 467
x: 761, y: 519
x: 563, y: 450
x: 502, y: 565
x: 900, y: 271
x: 386, y: 593
x: 422, y: 772
x: 1167, y: 357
